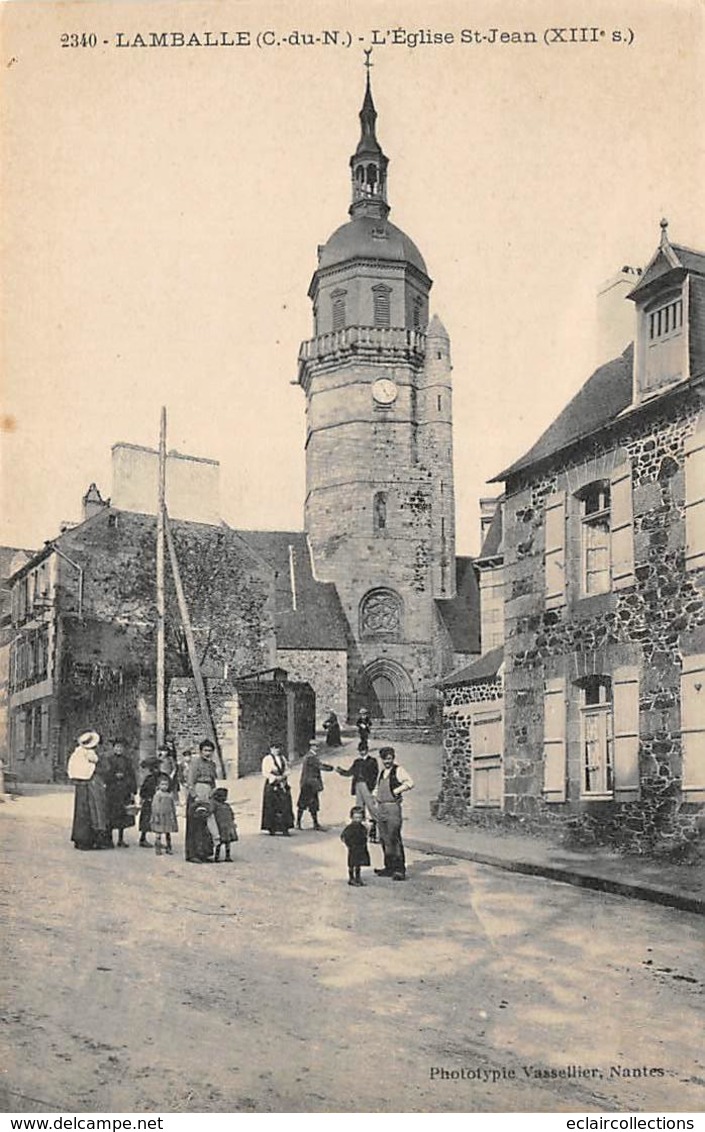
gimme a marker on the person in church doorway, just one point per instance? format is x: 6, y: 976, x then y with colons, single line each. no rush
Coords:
x: 364, y: 729
x: 332, y: 730
x: 393, y: 783
x: 311, y: 786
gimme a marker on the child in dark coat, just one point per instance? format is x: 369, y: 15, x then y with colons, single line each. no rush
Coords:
x: 148, y: 788
x: 225, y: 821
x: 355, y: 837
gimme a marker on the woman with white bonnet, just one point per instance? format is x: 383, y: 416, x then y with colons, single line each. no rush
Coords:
x: 90, y: 817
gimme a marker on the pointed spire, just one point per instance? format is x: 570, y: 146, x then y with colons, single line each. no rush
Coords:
x: 664, y: 233
x: 368, y: 163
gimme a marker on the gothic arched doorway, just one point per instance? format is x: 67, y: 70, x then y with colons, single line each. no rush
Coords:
x: 390, y: 691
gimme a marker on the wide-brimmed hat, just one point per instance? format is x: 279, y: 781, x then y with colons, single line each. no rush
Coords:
x: 89, y: 739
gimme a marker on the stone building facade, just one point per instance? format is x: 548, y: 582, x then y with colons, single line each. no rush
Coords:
x: 83, y: 630
x: 604, y: 581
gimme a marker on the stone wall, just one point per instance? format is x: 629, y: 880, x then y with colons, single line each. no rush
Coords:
x: 247, y: 717
x: 650, y: 624
x: 326, y: 670
x: 459, y: 700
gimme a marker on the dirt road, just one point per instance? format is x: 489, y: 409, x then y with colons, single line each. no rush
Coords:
x: 141, y: 983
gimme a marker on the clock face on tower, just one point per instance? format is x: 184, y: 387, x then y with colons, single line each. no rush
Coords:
x: 384, y: 391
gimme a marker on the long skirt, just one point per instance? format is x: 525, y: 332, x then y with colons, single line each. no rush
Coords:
x: 333, y: 736
x: 118, y: 796
x: 89, y: 830
x: 277, y: 810
x: 198, y: 842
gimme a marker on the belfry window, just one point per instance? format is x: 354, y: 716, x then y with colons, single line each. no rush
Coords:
x: 382, y: 305
x: 338, y: 298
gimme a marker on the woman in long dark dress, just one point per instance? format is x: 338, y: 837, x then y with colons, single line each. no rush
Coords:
x: 277, y: 809
x: 332, y: 730
x: 86, y: 769
x: 121, y: 790
x: 201, y: 783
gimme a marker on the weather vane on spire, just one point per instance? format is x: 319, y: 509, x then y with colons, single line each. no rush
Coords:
x: 368, y: 64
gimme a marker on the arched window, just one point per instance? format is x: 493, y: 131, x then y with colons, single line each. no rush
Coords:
x: 381, y: 615
x: 379, y: 512
x: 382, y: 304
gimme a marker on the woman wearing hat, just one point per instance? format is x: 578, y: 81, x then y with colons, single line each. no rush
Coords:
x: 90, y: 816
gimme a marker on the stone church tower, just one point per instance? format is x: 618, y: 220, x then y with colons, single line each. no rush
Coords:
x: 379, y: 510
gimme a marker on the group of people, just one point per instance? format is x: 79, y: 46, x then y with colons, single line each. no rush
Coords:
x: 378, y: 793
x: 106, y: 792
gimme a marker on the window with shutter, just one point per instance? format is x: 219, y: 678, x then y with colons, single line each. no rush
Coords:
x: 693, y: 726
x: 554, y: 741
x: 554, y: 515
x: 625, y: 691
x: 45, y: 728
x: 621, y: 527
x: 695, y: 500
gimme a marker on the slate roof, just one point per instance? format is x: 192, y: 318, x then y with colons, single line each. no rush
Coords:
x: 318, y: 622
x: 367, y: 237
x: 461, y: 614
x: 483, y: 669
x: 604, y: 395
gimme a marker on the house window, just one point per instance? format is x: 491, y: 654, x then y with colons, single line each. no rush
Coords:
x: 595, y: 516
x: 666, y: 320
x: 338, y: 298
x: 597, y: 737
x: 379, y: 512
x: 416, y: 313
x: 382, y: 305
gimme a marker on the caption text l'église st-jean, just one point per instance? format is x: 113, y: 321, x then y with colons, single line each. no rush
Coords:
x: 335, y: 37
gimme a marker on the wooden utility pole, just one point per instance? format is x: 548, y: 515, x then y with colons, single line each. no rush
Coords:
x: 161, y: 650
x: 191, y: 645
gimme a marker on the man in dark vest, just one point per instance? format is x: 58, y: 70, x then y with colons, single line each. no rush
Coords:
x: 393, y: 783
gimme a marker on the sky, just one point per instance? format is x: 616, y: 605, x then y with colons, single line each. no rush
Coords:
x: 163, y: 207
